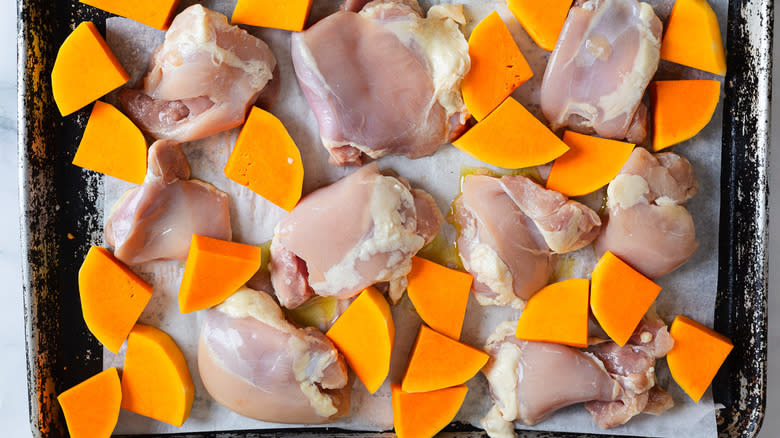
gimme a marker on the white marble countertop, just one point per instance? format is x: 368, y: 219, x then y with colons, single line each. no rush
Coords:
x: 13, y: 393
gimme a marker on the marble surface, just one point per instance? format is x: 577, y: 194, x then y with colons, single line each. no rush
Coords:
x: 13, y: 398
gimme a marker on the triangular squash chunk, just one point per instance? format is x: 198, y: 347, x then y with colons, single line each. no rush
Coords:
x: 112, y: 297
x: 512, y: 138
x: 439, y: 295
x: 498, y: 67
x: 543, y: 20
x: 588, y: 165
x: 365, y: 334
x: 91, y: 408
x: 424, y: 414
x: 286, y: 15
x: 266, y: 159
x: 112, y: 145
x: 155, y: 380
x: 697, y: 355
x: 438, y: 362
x: 215, y: 269
x: 154, y: 13
x: 681, y: 109
x: 620, y: 296
x: 558, y: 313
x: 692, y: 37
x: 85, y: 69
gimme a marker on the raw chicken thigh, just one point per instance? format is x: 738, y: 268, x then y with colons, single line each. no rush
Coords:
x: 257, y: 364
x: 157, y: 219
x: 607, y: 53
x: 385, y: 80
x: 531, y: 380
x: 340, y: 239
x: 648, y: 225
x: 510, y: 229
x: 633, y: 366
x: 201, y: 80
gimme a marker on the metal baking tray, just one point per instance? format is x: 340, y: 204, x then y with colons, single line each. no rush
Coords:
x: 60, y: 219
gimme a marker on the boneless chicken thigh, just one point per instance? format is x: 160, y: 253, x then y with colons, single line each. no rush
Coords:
x: 384, y: 80
x: 157, y: 219
x: 633, y: 366
x: 648, y: 225
x: 606, y: 55
x: 259, y: 365
x: 510, y: 229
x: 201, y: 80
x: 340, y: 239
x: 531, y: 380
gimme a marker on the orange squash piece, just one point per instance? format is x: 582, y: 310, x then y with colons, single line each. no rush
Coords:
x: 156, y: 381
x: 85, y: 69
x: 365, y: 334
x: 215, y: 269
x: 620, y: 296
x: 497, y: 67
x: 692, y: 37
x: 438, y: 362
x: 424, y: 414
x: 112, y: 297
x: 439, y: 295
x: 112, y: 145
x: 287, y: 14
x: 697, y: 355
x: 153, y: 13
x: 512, y: 138
x: 558, y: 313
x: 266, y: 159
x: 681, y: 109
x: 91, y: 408
x: 590, y: 164
x: 543, y: 20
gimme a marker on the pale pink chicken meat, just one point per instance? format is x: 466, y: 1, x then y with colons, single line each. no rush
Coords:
x: 605, y: 57
x: 361, y: 230
x: 510, y: 229
x: 256, y: 363
x: 648, y: 225
x: 633, y: 366
x: 384, y: 80
x: 157, y: 219
x: 529, y: 381
x: 201, y: 80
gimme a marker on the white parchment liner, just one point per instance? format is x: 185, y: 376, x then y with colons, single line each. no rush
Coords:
x: 689, y: 290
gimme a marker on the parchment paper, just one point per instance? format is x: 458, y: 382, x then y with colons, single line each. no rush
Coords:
x: 690, y: 290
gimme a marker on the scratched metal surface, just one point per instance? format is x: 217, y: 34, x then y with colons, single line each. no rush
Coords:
x: 58, y: 200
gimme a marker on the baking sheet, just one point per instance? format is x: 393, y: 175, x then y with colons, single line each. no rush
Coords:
x: 690, y: 290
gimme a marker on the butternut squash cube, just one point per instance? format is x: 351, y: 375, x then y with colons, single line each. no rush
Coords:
x: 424, y: 414
x: 112, y: 145
x: 286, y: 14
x: 365, y: 334
x: 112, y: 297
x: 692, y: 37
x: 153, y: 13
x: 85, y: 69
x: 215, y: 269
x: 266, y: 159
x: 697, y: 355
x: 91, y: 408
x: 498, y: 67
x: 156, y: 381
x: 512, y: 138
